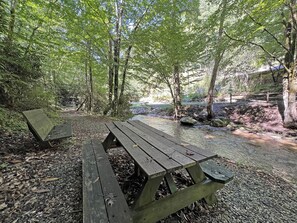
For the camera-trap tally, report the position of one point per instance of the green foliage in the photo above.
(35, 97)
(11, 121)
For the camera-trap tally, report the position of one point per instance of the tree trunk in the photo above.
(87, 82)
(91, 91)
(110, 73)
(116, 56)
(12, 20)
(210, 95)
(177, 90)
(289, 78)
(128, 52)
(219, 52)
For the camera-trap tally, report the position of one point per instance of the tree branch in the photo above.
(267, 31)
(258, 45)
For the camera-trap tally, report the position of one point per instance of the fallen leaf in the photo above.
(3, 206)
(50, 179)
(15, 161)
(41, 191)
(189, 153)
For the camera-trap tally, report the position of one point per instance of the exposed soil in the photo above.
(45, 185)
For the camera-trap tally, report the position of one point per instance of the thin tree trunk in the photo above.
(289, 78)
(12, 20)
(31, 40)
(110, 73)
(91, 95)
(177, 90)
(117, 50)
(289, 96)
(87, 82)
(121, 98)
(218, 57)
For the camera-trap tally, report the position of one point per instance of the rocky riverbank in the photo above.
(253, 116)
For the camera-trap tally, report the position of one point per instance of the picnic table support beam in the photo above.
(196, 173)
(151, 212)
(108, 141)
(170, 183)
(148, 192)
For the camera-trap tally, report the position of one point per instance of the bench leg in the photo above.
(108, 141)
(170, 183)
(198, 176)
(211, 199)
(148, 192)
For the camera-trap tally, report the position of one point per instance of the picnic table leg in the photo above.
(170, 183)
(148, 192)
(198, 177)
(108, 141)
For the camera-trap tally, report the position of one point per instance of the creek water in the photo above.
(270, 153)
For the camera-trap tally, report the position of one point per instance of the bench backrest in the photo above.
(39, 123)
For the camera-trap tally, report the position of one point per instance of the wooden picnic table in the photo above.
(156, 156)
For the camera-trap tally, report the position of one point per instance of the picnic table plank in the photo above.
(116, 205)
(193, 155)
(93, 204)
(159, 157)
(193, 148)
(150, 167)
(169, 151)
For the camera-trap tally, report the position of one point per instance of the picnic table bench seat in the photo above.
(42, 127)
(103, 200)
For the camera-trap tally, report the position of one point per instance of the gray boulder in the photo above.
(187, 121)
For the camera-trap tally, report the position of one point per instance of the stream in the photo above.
(268, 152)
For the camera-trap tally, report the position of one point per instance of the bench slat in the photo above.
(116, 205)
(150, 167)
(39, 122)
(161, 158)
(192, 148)
(60, 131)
(93, 201)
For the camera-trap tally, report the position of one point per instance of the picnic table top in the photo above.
(154, 151)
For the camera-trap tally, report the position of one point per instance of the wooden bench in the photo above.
(103, 200)
(42, 127)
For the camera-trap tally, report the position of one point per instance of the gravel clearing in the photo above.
(45, 185)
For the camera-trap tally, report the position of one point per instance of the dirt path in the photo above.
(45, 185)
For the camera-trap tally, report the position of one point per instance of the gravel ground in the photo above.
(45, 185)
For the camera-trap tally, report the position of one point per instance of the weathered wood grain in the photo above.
(149, 166)
(115, 203)
(60, 132)
(93, 201)
(162, 159)
(39, 123)
(163, 144)
(160, 209)
(193, 148)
